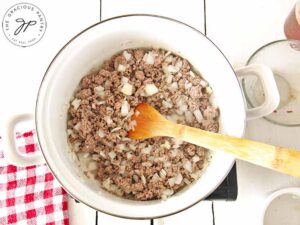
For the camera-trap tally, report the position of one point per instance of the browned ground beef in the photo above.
(99, 118)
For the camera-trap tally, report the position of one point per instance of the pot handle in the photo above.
(11, 154)
(271, 92)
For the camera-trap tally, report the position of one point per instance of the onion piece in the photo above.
(173, 69)
(77, 126)
(188, 116)
(208, 90)
(127, 89)
(76, 103)
(112, 154)
(196, 159)
(92, 165)
(188, 166)
(198, 115)
(99, 90)
(121, 68)
(169, 58)
(171, 181)
(167, 193)
(162, 173)
(155, 177)
(166, 145)
(178, 178)
(167, 104)
(124, 80)
(100, 133)
(116, 129)
(149, 58)
(150, 89)
(143, 179)
(108, 120)
(178, 64)
(127, 55)
(122, 169)
(169, 78)
(192, 73)
(125, 108)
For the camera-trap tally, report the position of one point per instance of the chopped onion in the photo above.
(100, 102)
(178, 178)
(150, 89)
(196, 159)
(128, 155)
(155, 177)
(95, 157)
(106, 184)
(195, 175)
(112, 154)
(198, 115)
(173, 69)
(177, 142)
(127, 55)
(162, 173)
(147, 164)
(171, 181)
(132, 146)
(76, 146)
(178, 64)
(77, 126)
(203, 83)
(143, 179)
(167, 193)
(76, 103)
(189, 116)
(208, 90)
(121, 68)
(125, 108)
(192, 73)
(167, 164)
(120, 147)
(169, 59)
(100, 133)
(167, 54)
(135, 178)
(169, 78)
(186, 181)
(99, 90)
(122, 169)
(174, 85)
(167, 104)
(127, 89)
(166, 145)
(187, 85)
(187, 165)
(147, 150)
(108, 120)
(85, 155)
(124, 80)
(115, 129)
(148, 58)
(92, 165)
(174, 152)
(102, 154)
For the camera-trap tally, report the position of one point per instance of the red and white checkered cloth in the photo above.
(30, 195)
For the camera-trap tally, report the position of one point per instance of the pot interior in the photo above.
(87, 51)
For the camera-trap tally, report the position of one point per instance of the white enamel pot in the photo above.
(89, 49)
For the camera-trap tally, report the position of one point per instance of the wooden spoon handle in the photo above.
(277, 158)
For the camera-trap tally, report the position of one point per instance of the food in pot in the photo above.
(99, 119)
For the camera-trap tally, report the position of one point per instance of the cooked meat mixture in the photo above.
(99, 119)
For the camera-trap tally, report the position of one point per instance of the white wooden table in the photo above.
(238, 27)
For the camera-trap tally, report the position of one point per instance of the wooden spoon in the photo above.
(150, 123)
